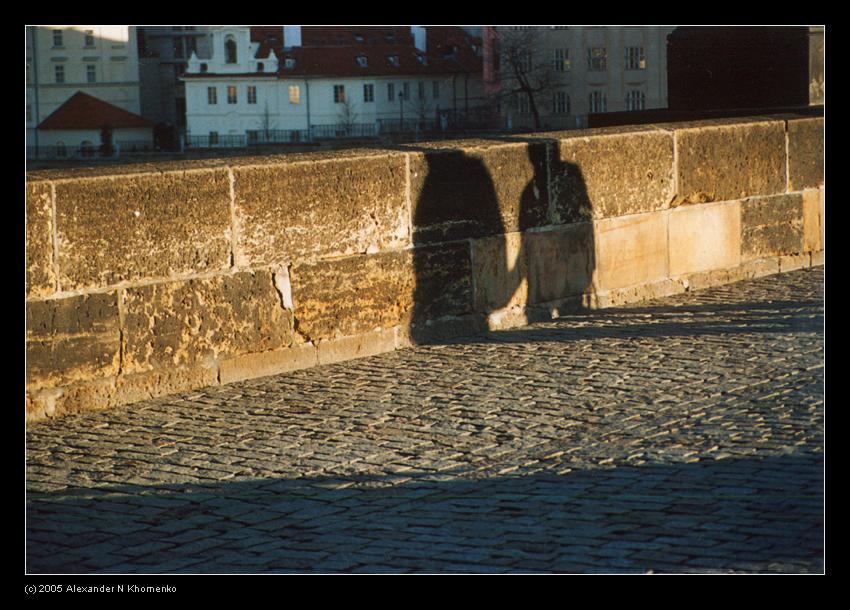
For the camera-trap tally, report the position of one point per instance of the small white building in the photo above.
(81, 125)
(287, 83)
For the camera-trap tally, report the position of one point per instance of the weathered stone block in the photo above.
(40, 275)
(479, 190)
(812, 221)
(183, 323)
(724, 162)
(249, 366)
(612, 175)
(72, 338)
(560, 263)
(705, 237)
(805, 153)
(355, 295)
(293, 211)
(360, 346)
(630, 250)
(499, 271)
(121, 228)
(771, 226)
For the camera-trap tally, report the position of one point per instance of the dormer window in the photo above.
(362, 61)
(422, 59)
(230, 50)
(289, 63)
(358, 37)
(393, 59)
(203, 67)
(260, 66)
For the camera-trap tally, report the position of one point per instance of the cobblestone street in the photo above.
(679, 435)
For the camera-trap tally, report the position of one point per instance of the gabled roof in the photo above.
(83, 111)
(365, 51)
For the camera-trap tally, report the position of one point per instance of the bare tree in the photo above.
(348, 115)
(266, 122)
(525, 67)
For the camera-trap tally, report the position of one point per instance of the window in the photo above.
(635, 58)
(252, 94)
(57, 38)
(339, 94)
(59, 72)
(260, 66)
(390, 92)
(393, 59)
(91, 73)
(191, 45)
(561, 103)
(294, 94)
(231, 94)
(598, 102)
(204, 67)
(368, 93)
(89, 40)
(213, 137)
(435, 89)
(61, 151)
(597, 59)
(362, 61)
(212, 96)
(289, 63)
(635, 100)
(561, 60)
(522, 104)
(177, 45)
(421, 90)
(405, 91)
(253, 136)
(29, 112)
(230, 50)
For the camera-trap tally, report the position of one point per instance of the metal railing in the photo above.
(221, 141)
(355, 130)
(277, 136)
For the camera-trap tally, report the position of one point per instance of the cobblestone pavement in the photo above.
(681, 435)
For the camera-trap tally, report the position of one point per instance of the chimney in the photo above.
(419, 37)
(291, 36)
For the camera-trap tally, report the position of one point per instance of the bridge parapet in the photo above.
(161, 278)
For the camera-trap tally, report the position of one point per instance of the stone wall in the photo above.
(166, 278)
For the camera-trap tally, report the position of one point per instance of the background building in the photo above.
(292, 82)
(101, 61)
(553, 77)
(164, 52)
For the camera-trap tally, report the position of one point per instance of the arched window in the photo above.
(61, 151)
(230, 50)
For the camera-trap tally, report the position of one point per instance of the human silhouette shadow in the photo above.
(485, 245)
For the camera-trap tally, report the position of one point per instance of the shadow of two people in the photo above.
(476, 203)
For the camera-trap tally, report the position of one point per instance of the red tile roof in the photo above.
(334, 51)
(83, 111)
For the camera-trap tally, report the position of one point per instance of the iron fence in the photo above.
(213, 141)
(355, 130)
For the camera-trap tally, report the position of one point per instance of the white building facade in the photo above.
(247, 89)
